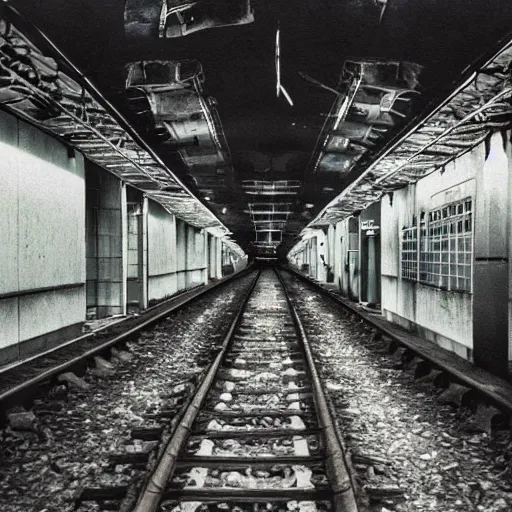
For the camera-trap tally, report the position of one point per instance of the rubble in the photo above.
(401, 438)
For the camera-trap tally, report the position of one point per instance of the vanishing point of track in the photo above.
(258, 431)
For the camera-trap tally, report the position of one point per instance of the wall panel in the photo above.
(46, 312)
(9, 173)
(42, 221)
(162, 280)
(51, 212)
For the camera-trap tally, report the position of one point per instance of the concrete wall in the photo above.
(42, 255)
(178, 254)
(333, 256)
(491, 251)
(195, 248)
(444, 317)
(474, 322)
(78, 243)
(187, 266)
(369, 255)
(162, 260)
(215, 257)
(316, 255)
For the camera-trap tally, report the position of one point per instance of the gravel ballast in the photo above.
(70, 443)
(409, 452)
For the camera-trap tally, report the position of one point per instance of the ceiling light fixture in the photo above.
(279, 87)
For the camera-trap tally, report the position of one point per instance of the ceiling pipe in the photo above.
(177, 145)
(98, 96)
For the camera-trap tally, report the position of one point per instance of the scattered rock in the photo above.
(122, 355)
(430, 458)
(22, 420)
(73, 381)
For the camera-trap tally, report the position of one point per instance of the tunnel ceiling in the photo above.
(198, 83)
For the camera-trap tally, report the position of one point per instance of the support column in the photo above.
(318, 255)
(137, 250)
(307, 257)
(313, 258)
(218, 258)
(211, 256)
(181, 253)
(353, 274)
(190, 263)
(331, 233)
(144, 253)
(105, 264)
(371, 293)
(124, 221)
(195, 256)
(322, 247)
(490, 277)
(161, 239)
(369, 227)
(337, 255)
(205, 258)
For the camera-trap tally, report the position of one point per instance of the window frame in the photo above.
(444, 255)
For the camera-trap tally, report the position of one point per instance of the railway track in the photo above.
(257, 435)
(460, 382)
(21, 382)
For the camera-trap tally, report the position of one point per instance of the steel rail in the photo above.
(178, 303)
(336, 462)
(489, 394)
(155, 486)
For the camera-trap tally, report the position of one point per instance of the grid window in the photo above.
(409, 255)
(446, 246)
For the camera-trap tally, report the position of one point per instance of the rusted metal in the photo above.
(250, 495)
(241, 463)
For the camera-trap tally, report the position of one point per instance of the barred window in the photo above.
(446, 246)
(409, 255)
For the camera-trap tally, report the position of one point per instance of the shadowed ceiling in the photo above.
(265, 137)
